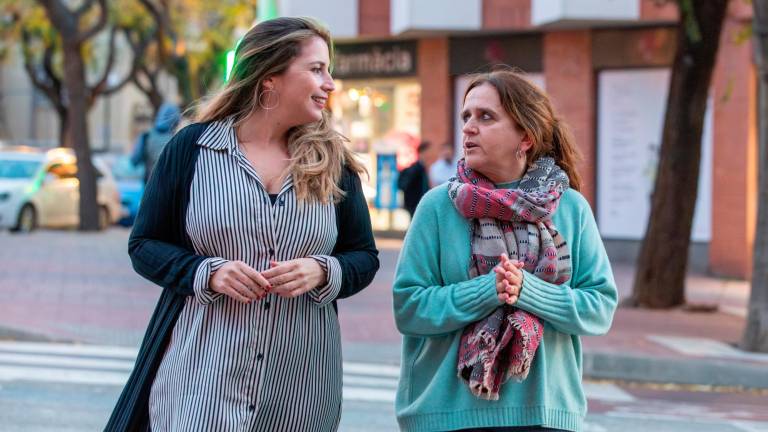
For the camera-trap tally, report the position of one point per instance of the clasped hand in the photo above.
(292, 278)
(509, 279)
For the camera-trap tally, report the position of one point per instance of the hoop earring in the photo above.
(518, 152)
(268, 92)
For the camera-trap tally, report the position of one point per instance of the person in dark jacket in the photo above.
(258, 226)
(414, 180)
(151, 143)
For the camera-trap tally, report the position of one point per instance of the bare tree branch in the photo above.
(100, 24)
(162, 18)
(79, 12)
(146, 75)
(56, 83)
(102, 82)
(51, 89)
(101, 88)
(61, 17)
(143, 72)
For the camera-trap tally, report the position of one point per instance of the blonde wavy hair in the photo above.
(318, 152)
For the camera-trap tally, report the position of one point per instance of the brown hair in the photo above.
(530, 109)
(318, 152)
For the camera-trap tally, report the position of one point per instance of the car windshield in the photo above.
(18, 169)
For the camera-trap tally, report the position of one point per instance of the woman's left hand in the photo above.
(509, 280)
(294, 277)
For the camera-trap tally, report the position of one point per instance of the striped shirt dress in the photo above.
(271, 365)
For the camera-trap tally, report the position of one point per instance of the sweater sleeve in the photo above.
(355, 260)
(423, 304)
(586, 305)
(153, 253)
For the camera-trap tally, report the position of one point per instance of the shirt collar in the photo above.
(219, 135)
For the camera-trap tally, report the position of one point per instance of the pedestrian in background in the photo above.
(414, 181)
(501, 273)
(443, 168)
(150, 143)
(258, 226)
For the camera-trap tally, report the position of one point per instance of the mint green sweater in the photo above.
(434, 300)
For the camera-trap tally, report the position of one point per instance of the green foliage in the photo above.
(27, 24)
(192, 46)
(202, 32)
(744, 34)
(689, 20)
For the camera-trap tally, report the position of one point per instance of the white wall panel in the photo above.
(410, 15)
(340, 16)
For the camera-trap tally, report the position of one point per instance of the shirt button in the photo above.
(260, 356)
(266, 305)
(271, 251)
(251, 407)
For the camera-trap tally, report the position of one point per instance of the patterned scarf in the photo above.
(517, 222)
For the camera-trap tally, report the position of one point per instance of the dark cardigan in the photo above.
(161, 251)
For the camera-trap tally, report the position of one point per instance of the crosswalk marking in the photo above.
(750, 426)
(606, 392)
(61, 375)
(105, 365)
(364, 394)
(372, 369)
(66, 362)
(69, 349)
(366, 381)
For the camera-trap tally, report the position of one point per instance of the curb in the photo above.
(9, 333)
(389, 234)
(692, 371)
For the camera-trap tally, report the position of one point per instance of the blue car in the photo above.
(130, 183)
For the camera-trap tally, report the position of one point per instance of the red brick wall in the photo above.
(734, 176)
(650, 10)
(570, 82)
(506, 14)
(373, 17)
(436, 101)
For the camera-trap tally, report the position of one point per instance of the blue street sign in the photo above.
(386, 181)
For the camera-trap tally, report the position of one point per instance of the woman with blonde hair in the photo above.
(253, 223)
(502, 271)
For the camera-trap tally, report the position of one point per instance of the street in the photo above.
(64, 387)
(77, 312)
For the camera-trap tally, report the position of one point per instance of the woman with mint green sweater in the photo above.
(502, 271)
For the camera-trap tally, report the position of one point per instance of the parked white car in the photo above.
(39, 188)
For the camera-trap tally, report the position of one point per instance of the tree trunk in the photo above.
(156, 100)
(4, 131)
(150, 89)
(756, 332)
(74, 80)
(65, 139)
(661, 267)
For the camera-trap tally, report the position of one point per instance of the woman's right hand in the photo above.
(509, 279)
(240, 281)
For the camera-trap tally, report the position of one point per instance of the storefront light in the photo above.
(353, 94)
(360, 129)
(364, 105)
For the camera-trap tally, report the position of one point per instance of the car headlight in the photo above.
(5, 196)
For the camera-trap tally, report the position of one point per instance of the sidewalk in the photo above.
(72, 287)
(678, 346)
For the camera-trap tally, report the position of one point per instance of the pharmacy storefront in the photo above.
(377, 105)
